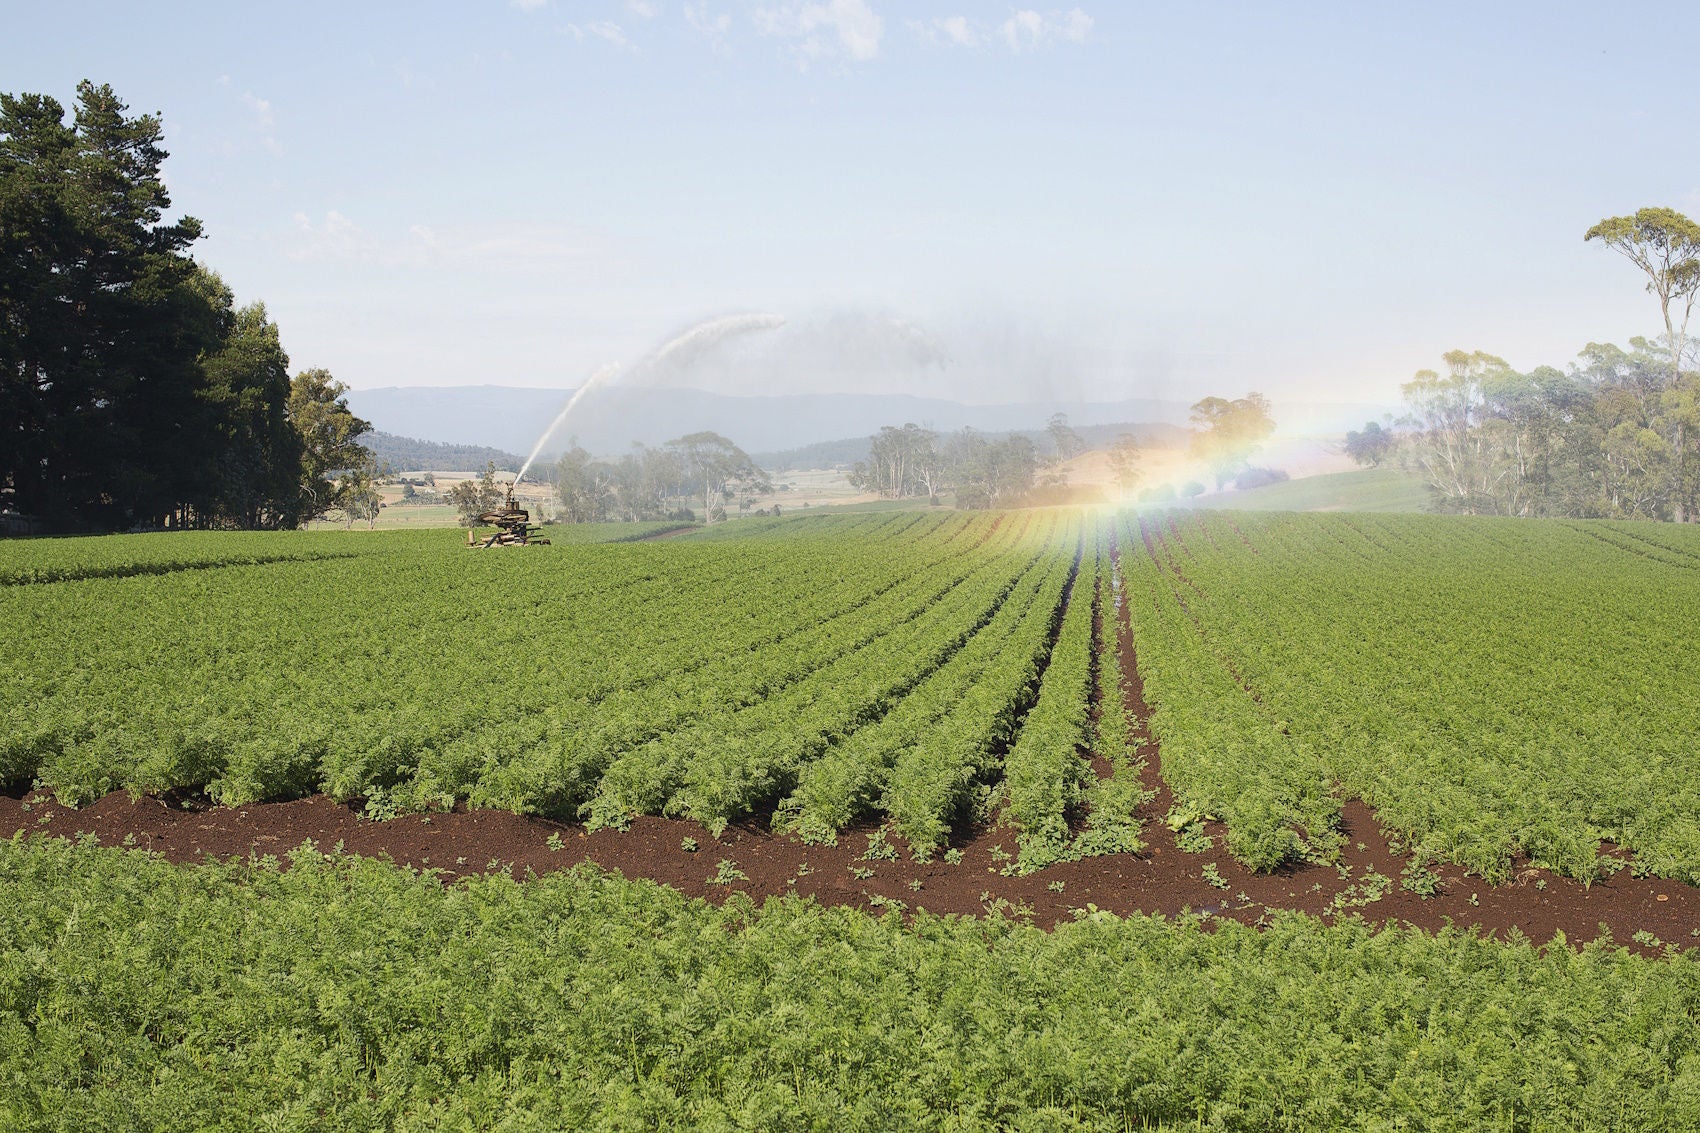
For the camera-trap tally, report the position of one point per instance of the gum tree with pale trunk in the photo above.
(1665, 245)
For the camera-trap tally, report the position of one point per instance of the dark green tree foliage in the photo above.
(254, 477)
(133, 391)
(104, 321)
(330, 443)
(1372, 445)
(409, 454)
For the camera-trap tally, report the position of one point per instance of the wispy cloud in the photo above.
(957, 30)
(261, 120)
(1025, 30)
(606, 30)
(336, 238)
(712, 26)
(529, 5)
(816, 31)
(262, 110)
(1029, 29)
(642, 9)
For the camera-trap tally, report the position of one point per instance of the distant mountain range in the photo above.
(610, 421)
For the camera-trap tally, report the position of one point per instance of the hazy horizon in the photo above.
(980, 203)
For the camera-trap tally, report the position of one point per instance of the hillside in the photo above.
(409, 454)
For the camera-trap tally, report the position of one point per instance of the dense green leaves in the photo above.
(349, 994)
(1492, 687)
(699, 676)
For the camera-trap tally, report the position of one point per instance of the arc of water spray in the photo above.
(686, 347)
(681, 351)
(596, 379)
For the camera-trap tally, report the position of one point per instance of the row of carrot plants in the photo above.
(1496, 690)
(1112, 799)
(850, 781)
(1045, 773)
(261, 681)
(838, 668)
(348, 993)
(722, 766)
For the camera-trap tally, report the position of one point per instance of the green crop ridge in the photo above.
(348, 993)
(1497, 690)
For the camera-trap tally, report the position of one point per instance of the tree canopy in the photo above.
(719, 469)
(134, 392)
(1665, 245)
(1226, 434)
(1599, 440)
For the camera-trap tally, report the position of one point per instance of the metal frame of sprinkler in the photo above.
(513, 526)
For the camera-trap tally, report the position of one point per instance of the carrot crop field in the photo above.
(1280, 730)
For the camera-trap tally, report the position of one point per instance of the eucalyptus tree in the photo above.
(901, 462)
(1226, 433)
(1124, 461)
(717, 467)
(1665, 245)
(330, 441)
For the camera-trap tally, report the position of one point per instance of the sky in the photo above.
(985, 202)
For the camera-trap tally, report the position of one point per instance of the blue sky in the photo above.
(1105, 201)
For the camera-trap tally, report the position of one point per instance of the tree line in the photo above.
(1613, 436)
(134, 391)
(911, 461)
(702, 470)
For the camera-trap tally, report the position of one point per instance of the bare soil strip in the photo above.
(1164, 880)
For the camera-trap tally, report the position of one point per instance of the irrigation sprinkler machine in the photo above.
(513, 527)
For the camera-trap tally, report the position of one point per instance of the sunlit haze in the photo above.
(969, 201)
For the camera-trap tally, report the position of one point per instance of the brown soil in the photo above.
(1163, 880)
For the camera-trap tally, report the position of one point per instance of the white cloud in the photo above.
(605, 30)
(812, 27)
(261, 121)
(642, 9)
(261, 109)
(1028, 29)
(1025, 30)
(336, 238)
(712, 27)
(957, 30)
(529, 5)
